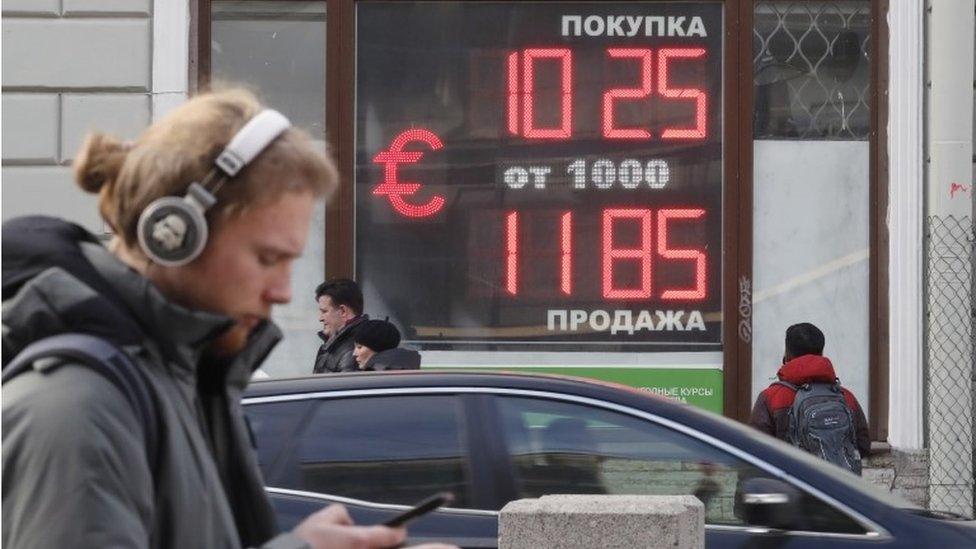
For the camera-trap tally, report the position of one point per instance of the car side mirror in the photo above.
(768, 502)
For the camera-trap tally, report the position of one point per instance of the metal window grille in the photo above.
(812, 70)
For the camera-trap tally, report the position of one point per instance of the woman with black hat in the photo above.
(376, 348)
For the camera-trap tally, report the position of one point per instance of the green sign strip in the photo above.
(698, 387)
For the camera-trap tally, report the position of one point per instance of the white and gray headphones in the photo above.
(173, 230)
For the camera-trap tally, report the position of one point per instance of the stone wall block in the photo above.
(912, 463)
(102, 54)
(35, 8)
(115, 7)
(918, 496)
(30, 128)
(883, 478)
(578, 522)
(48, 190)
(881, 456)
(122, 115)
(911, 481)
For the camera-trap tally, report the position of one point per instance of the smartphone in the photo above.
(421, 509)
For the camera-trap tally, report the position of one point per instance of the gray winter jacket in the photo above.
(75, 468)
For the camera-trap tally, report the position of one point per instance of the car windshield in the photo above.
(838, 474)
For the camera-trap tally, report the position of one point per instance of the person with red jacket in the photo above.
(803, 362)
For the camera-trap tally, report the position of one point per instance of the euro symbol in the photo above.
(395, 189)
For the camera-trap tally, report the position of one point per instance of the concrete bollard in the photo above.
(598, 521)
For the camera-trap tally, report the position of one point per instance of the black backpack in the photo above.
(108, 361)
(821, 423)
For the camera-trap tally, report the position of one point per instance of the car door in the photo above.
(558, 445)
(377, 453)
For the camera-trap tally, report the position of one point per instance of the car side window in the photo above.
(565, 448)
(273, 425)
(397, 449)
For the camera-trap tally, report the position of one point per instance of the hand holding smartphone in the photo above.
(422, 508)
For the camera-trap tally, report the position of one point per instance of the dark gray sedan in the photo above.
(381, 442)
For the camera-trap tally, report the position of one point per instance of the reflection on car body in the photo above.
(380, 442)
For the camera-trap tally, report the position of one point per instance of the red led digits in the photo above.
(612, 254)
(644, 56)
(525, 100)
(603, 173)
(513, 93)
(511, 253)
(698, 292)
(396, 189)
(521, 93)
(566, 259)
(698, 132)
(642, 254)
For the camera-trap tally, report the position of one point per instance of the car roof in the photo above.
(427, 378)
(447, 378)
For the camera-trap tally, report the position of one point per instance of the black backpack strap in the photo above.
(108, 361)
(791, 433)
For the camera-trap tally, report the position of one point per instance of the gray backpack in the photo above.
(821, 423)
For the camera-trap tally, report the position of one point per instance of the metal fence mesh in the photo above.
(950, 376)
(811, 75)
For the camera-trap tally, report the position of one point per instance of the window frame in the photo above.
(737, 246)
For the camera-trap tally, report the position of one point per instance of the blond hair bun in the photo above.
(99, 161)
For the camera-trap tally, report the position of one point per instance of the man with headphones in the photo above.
(124, 366)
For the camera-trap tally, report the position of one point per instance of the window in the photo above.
(812, 188)
(273, 426)
(812, 70)
(567, 448)
(383, 449)
(277, 49)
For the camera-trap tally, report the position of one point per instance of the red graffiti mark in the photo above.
(957, 187)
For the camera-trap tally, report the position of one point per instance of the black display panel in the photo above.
(541, 174)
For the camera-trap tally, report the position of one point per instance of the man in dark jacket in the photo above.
(803, 362)
(340, 304)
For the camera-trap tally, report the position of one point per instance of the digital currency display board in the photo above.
(541, 174)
